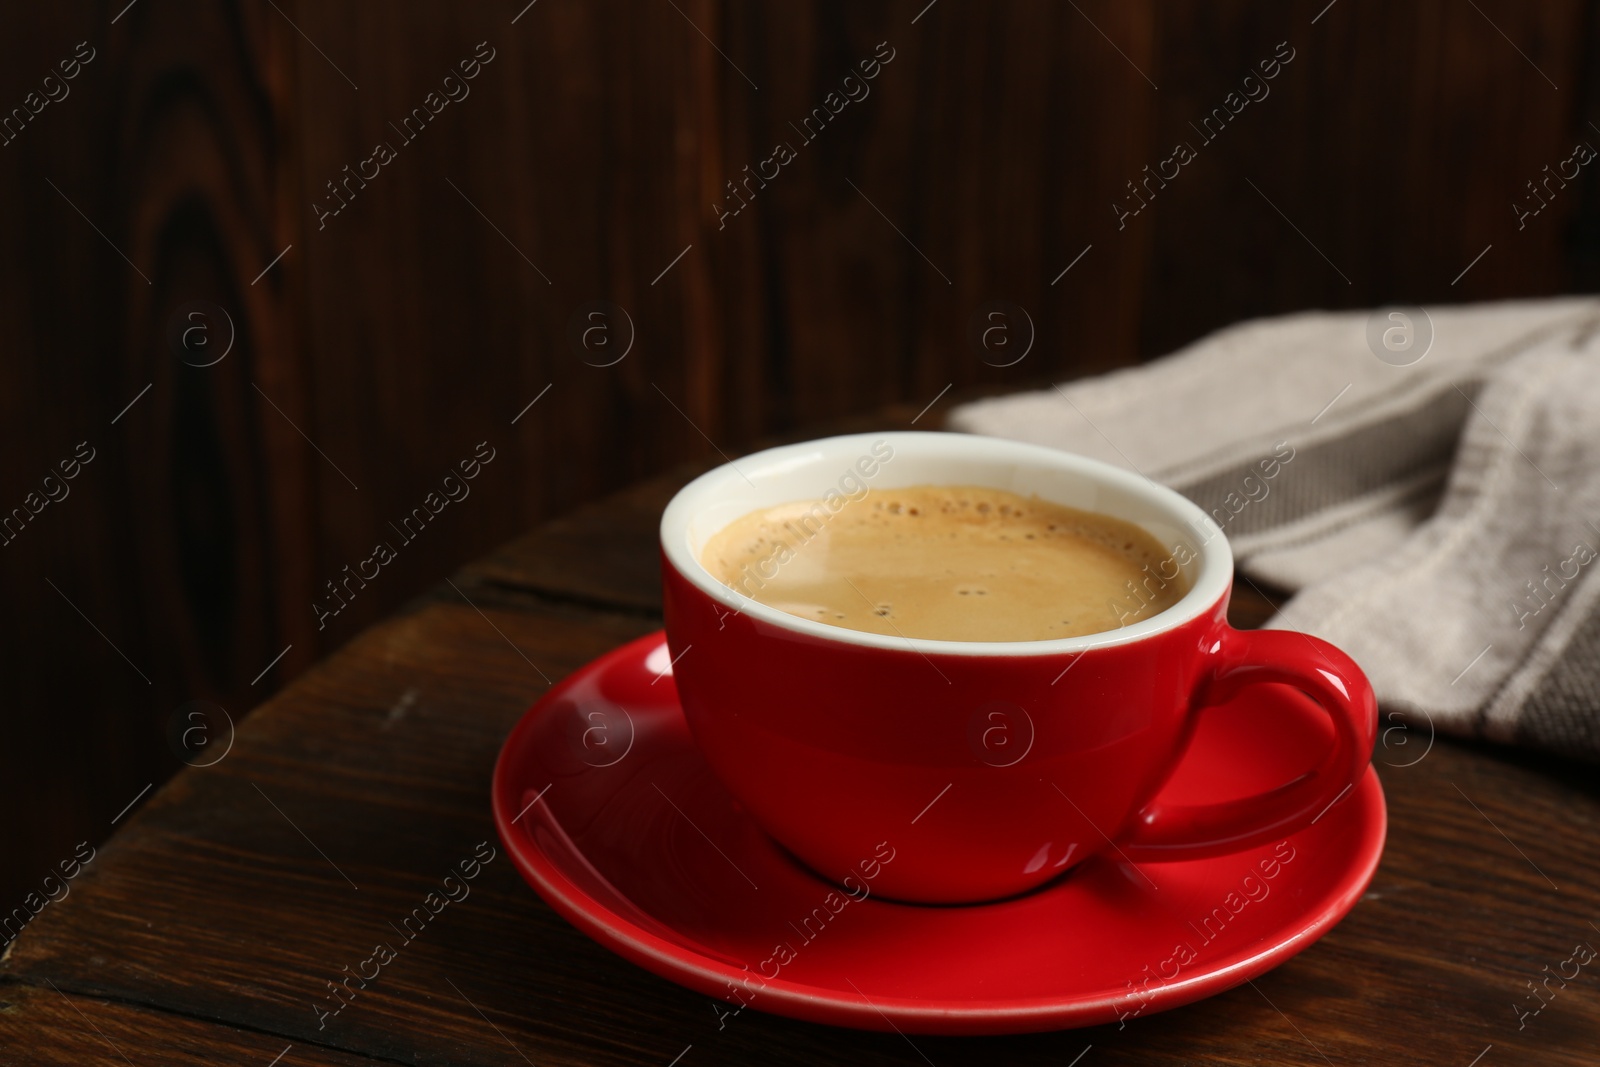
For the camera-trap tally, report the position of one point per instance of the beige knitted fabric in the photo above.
(1439, 521)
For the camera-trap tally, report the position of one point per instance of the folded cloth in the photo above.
(1440, 521)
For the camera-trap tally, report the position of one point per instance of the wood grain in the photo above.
(41, 1027)
(238, 891)
(427, 315)
(147, 191)
(1376, 179)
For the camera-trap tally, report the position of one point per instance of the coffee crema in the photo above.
(946, 563)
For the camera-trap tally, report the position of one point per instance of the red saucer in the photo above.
(609, 812)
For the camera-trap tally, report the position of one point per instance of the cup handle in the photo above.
(1254, 657)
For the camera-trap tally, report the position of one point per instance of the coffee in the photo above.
(947, 563)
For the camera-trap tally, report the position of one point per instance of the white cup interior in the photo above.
(810, 470)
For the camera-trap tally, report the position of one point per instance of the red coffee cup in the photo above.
(988, 768)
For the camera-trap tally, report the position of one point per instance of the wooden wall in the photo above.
(587, 161)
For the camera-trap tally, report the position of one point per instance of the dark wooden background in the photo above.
(380, 349)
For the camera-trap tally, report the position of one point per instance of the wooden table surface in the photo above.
(207, 928)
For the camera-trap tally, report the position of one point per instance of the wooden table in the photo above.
(207, 927)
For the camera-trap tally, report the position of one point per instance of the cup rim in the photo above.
(1212, 581)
